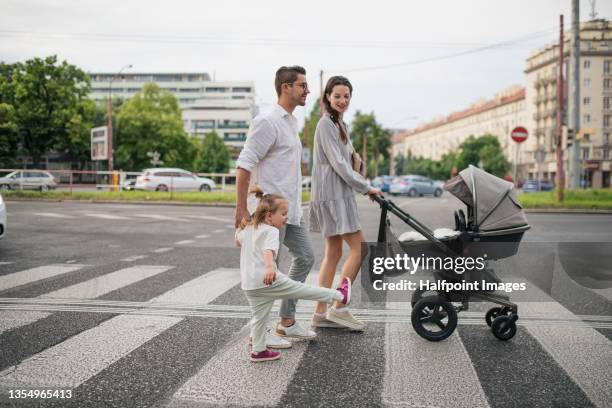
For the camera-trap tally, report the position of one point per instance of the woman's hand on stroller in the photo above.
(374, 192)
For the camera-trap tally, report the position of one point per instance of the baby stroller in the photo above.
(494, 225)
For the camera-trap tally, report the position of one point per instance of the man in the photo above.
(271, 158)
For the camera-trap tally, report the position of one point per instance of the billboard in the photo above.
(99, 143)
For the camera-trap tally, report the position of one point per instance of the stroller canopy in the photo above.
(492, 199)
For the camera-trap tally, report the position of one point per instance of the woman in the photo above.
(333, 209)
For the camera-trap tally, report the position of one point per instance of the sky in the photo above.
(408, 61)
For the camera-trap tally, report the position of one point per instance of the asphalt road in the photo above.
(139, 305)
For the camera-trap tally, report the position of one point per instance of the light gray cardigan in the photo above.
(333, 209)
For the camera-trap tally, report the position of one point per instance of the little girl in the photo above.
(261, 282)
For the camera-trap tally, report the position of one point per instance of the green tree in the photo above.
(486, 149)
(46, 97)
(214, 156)
(9, 147)
(365, 126)
(151, 121)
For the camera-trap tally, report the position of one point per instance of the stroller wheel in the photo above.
(492, 314)
(433, 318)
(504, 326)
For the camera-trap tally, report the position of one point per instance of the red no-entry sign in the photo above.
(519, 134)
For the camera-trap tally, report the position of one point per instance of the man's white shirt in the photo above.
(273, 153)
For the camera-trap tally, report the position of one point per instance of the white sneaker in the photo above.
(295, 331)
(344, 318)
(273, 341)
(319, 321)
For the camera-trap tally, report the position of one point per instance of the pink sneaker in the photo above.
(266, 355)
(345, 290)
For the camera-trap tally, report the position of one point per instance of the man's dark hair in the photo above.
(287, 75)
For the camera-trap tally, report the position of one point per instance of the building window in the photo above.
(606, 67)
(606, 121)
(586, 118)
(587, 64)
(586, 100)
(585, 153)
(235, 137)
(215, 89)
(586, 137)
(204, 124)
(241, 89)
(587, 82)
(606, 83)
(606, 138)
(606, 102)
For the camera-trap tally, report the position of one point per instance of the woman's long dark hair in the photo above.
(333, 114)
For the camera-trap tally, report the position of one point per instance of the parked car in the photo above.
(2, 217)
(166, 179)
(129, 184)
(415, 185)
(383, 183)
(531, 186)
(28, 179)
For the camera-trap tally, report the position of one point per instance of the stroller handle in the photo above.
(380, 200)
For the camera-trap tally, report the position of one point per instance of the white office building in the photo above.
(226, 107)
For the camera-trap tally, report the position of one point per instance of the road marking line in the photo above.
(203, 236)
(184, 242)
(208, 217)
(102, 285)
(134, 258)
(437, 364)
(73, 361)
(31, 275)
(6, 263)
(162, 250)
(160, 217)
(217, 231)
(53, 215)
(584, 353)
(107, 216)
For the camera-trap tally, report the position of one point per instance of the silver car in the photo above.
(2, 217)
(166, 179)
(28, 180)
(415, 185)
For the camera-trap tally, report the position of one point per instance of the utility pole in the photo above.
(110, 117)
(559, 131)
(574, 117)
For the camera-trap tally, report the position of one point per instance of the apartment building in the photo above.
(595, 105)
(534, 107)
(496, 116)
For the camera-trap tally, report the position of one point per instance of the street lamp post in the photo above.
(110, 118)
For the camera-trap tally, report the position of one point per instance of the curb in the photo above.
(567, 211)
(174, 203)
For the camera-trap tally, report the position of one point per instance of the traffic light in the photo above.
(570, 137)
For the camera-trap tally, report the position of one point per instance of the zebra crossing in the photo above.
(184, 344)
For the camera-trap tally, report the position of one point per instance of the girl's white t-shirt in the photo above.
(253, 241)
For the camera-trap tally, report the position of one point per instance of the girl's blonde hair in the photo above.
(268, 203)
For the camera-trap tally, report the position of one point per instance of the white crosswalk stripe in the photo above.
(35, 274)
